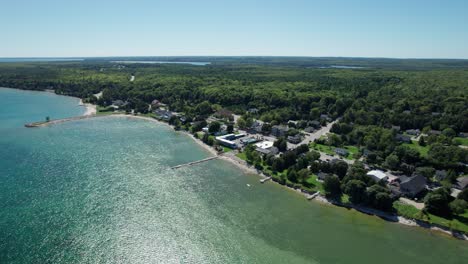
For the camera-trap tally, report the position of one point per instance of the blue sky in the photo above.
(364, 28)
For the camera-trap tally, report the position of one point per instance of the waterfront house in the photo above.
(412, 186)
(227, 140)
(163, 114)
(341, 151)
(377, 175)
(266, 147)
(322, 175)
(279, 131)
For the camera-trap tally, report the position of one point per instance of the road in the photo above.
(310, 137)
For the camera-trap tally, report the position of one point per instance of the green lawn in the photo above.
(461, 141)
(459, 222)
(330, 150)
(242, 156)
(415, 145)
(226, 149)
(313, 180)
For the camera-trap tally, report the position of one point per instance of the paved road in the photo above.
(310, 137)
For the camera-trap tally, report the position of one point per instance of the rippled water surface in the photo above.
(102, 191)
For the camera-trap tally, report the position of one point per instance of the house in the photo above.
(435, 132)
(227, 140)
(256, 127)
(413, 132)
(309, 129)
(315, 124)
(279, 131)
(118, 104)
(272, 151)
(155, 103)
(396, 128)
(407, 112)
(224, 114)
(403, 138)
(266, 147)
(377, 175)
(440, 175)
(164, 114)
(411, 186)
(461, 183)
(295, 139)
(435, 113)
(249, 140)
(463, 134)
(322, 175)
(342, 152)
(326, 117)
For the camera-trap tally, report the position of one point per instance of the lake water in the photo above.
(165, 62)
(102, 191)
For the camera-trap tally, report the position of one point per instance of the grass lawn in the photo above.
(421, 149)
(459, 222)
(242, 156)
(226, 149)
(462, 141)
(323, 148)
(318, 185)
(330, 150)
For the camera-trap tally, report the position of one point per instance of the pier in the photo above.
(265, 179)
(310, 197)
(194, 162)
(56, 121)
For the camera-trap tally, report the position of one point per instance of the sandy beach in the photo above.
(90, 108)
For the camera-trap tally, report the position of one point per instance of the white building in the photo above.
(378, 175)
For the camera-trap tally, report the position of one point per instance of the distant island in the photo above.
(384, 136)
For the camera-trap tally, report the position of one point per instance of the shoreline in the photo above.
(90, 109)
(247, 169)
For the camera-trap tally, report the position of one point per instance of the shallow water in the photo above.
(102, 191)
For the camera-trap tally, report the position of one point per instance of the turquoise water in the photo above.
(102, 191)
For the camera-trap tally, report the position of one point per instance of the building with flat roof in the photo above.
(377, 175)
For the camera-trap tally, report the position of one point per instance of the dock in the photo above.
(265, 179)
(194, 162)
(57, 121)
(312, 196)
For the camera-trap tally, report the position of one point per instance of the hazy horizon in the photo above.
(358, 29)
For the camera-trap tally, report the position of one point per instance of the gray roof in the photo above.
(462, 182)
(412, 185)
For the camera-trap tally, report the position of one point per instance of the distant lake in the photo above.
(38, 59)
(165, 62)
(342, 67)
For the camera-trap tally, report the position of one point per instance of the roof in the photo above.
(377, 174)
(341, 151)
(264, 144)
(462, 182)
(413, 184)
